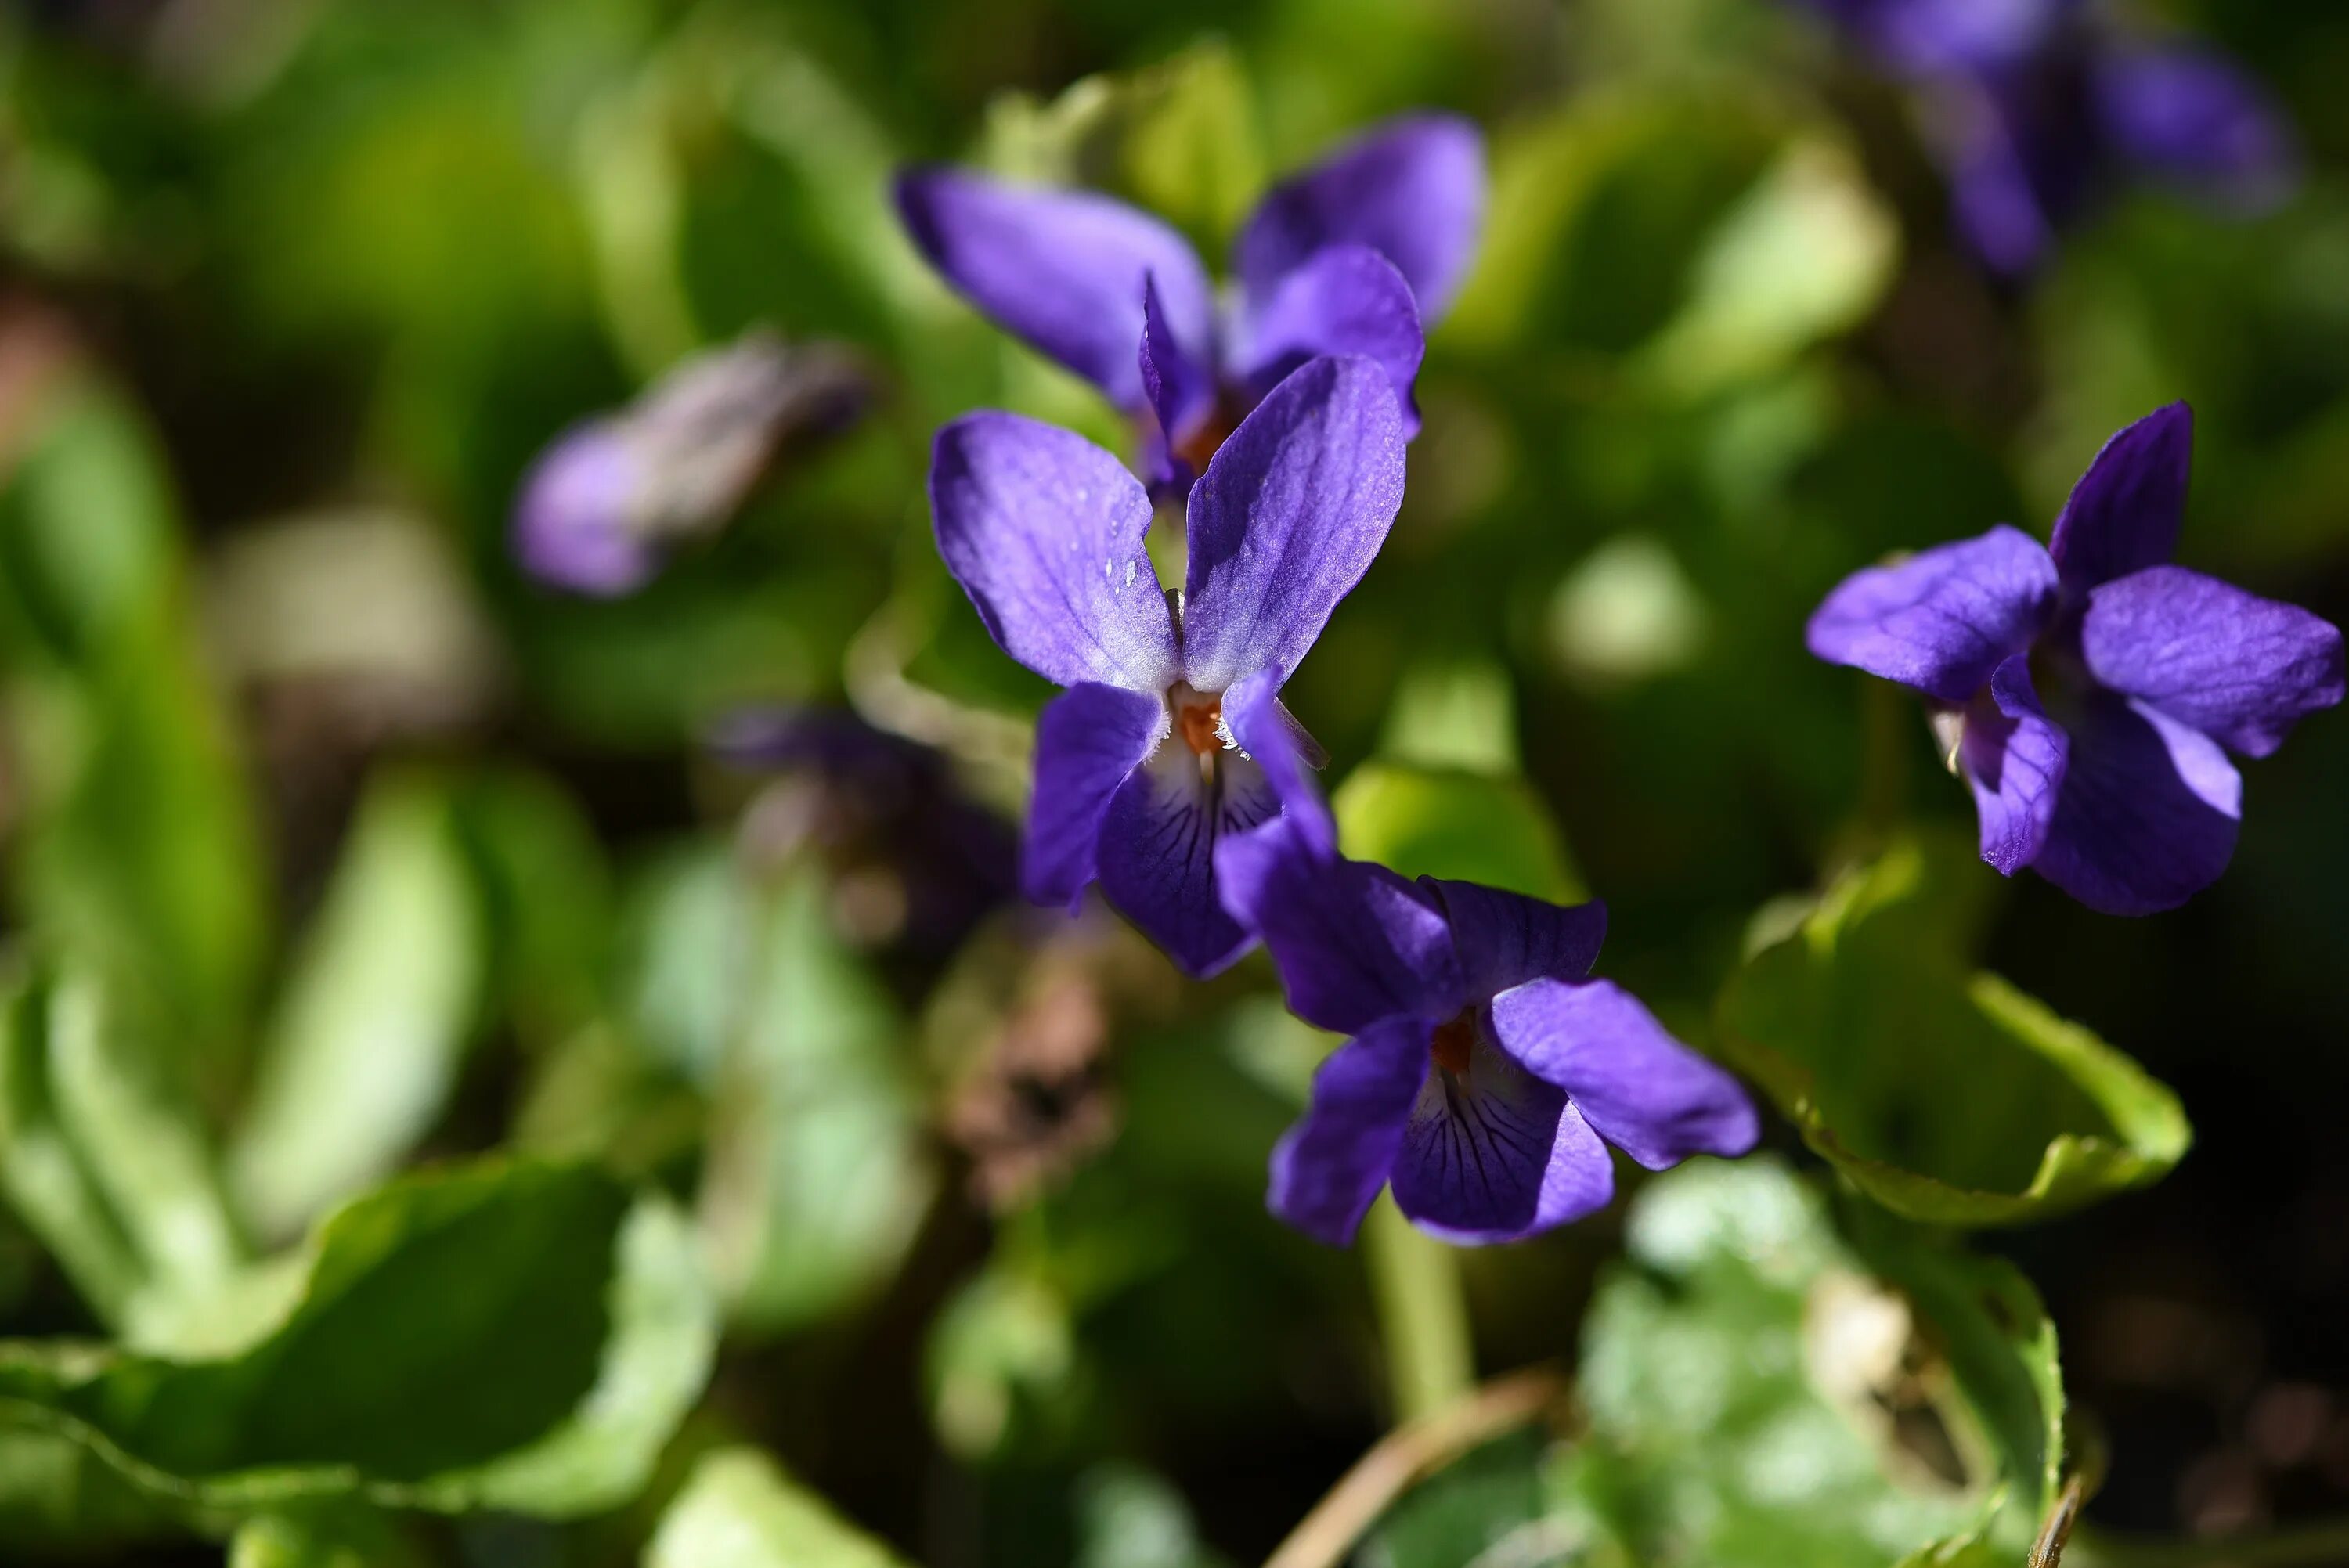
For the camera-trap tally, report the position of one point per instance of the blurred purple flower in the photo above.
(886, 812)
(1349, 257)
(1485, 1066)
(1171, 733)
(603, 505)
(2086, 690)
(2038, 108)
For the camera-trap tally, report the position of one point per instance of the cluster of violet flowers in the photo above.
(1487, 1071)
(2087, 691)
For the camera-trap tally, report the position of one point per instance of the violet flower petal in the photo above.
(2014, 177)
(1254, 718)
(2241, 668)
(2124, 514)
(1181, 386)
(575, 525)
(1505, 939)
(1495, 1154)
(2194, 119)
(1088, 741)
(1061, 269)
(1926, 36)
(1351, 942)
(1641, 1089)
(1411, 189)
(1327, 1169)
(1347, 299)
(1043, 530)
(1156, 858)
(2148, 811)
(1943, 619)
(1288, 515)
(2014, 757)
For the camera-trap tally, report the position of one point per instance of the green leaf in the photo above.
(1942, 1092)
(1758, 1394)
(740, 1510)
(1803, 255)
(366, 1044)
(56, 1493)
(514, 1336)
(100, 1153)
(1467, 827)
(1128, 1517)
(137, 849)
(816, 1175)
(333, 1536)
(1177, 139)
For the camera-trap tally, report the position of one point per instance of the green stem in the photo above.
(1423, 1315)
(2305, 1546)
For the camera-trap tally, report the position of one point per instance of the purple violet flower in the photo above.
(605, 502)
(1171, 733)
(1349, 257)
(2038, 108)
(2086, 690)
(1484, 1068)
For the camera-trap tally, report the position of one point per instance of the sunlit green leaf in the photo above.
(740, 1510)
(101, 1152)
(815, 1177)
(136, 851)
(509, 1334)
(1804, 254)
(367, 1040)
(1942, 1091)
(1466, 827)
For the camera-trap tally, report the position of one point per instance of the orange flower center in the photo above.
(1200, 445)
(1196, 720)
(1452, 1044)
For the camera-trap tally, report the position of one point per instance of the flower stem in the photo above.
(1422, 1316)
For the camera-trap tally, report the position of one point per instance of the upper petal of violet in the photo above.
(2238, 667)
(1043, 530)
(1181, 387)
(1288, 515)
(1061, 269)
(1642, 1091)
(2124, 514)
(1943, 619)
(1351, 942)
(1413, 190)
(1505, 939)
(1347, 299)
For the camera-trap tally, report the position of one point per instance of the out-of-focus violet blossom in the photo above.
(604, 505)
(2037, 109)
(1349, 257)
(1171, 734)
(2088, 691)
(1487, 1071)
(925, 862)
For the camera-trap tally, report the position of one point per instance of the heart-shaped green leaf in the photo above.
(1942, 1091)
